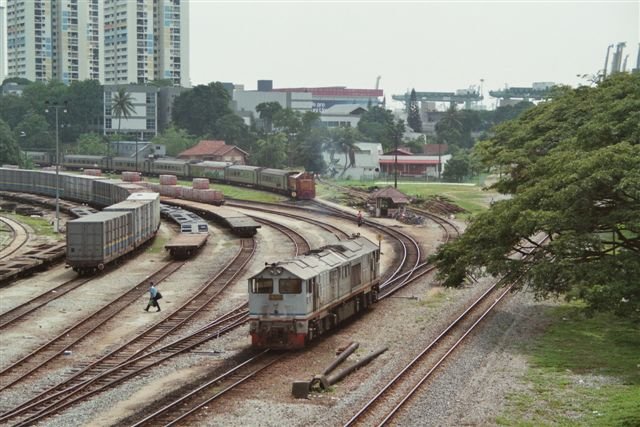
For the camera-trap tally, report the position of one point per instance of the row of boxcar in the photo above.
(293, 301)
(298, 185)
(131, 216)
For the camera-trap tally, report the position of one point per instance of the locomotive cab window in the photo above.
(290, 286)
(262, 286)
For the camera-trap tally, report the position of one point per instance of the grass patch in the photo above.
(435, 297)
(584, 371)
(235, 192)
(40, 226)
(470, 197)
(157, 246)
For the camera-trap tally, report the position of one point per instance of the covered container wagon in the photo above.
(153, 199)
(95, 240)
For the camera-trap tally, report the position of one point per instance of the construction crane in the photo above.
(606, 61)
(617, 57)
(377, 87)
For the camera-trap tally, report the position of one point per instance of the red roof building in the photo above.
(215, 151)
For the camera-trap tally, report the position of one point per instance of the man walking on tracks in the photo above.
(360, 218)
(154, 296)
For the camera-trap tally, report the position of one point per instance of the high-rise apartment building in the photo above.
(172, 35)
(29, 39)
(3, 43)
(113, 41)
(78, 40)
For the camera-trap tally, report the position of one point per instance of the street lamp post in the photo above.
(137, 139)
(56, 107)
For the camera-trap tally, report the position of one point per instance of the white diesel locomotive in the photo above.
(291, 302)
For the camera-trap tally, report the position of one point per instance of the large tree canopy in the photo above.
(199, 109)
(572, 169)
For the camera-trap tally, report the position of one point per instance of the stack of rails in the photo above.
(96, 239)
(239, 224)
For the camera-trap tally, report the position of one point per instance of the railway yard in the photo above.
(102, 360)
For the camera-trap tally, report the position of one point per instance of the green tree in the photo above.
(197, 110)
(90, 144)
(17, 80)
(458, 167)
(375, 125)
(122, 106)
(13, 109)
(266, 111)
(175, 140)
(413, 114)
(35, 134)
(232, 129)
(345, 143)
(271, 151)
(85, 112)
(571, 167)
(309, 152)
(9, 150)
(449, 129)
(306, 148)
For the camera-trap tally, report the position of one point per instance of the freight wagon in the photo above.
(94, 240)
(291, 302)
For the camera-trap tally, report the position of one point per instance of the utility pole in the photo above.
(56, 107)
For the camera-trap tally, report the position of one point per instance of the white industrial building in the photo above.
(143, 123)
(248, 100)
(367, 163)
(342, 115)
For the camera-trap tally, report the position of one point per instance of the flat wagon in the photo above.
(186, 244)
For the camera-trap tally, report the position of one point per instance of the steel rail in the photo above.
(93, 370)
(19, 312)
(35, 360)
(175, 412)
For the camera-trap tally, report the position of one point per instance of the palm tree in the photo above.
(346, 143)
(267, 110)
(122, 106)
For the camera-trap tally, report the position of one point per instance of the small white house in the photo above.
(367, 163)
(342, 115)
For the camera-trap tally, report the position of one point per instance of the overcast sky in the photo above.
(426, 45)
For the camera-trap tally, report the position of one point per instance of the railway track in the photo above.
(19, 237)
(111, 371)
(409, 265)
(31, 363)
(450, 229)
(277, 209)
(179, 410)
(397, 393)
(19, 313)
(387, 403)
(67, 393)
